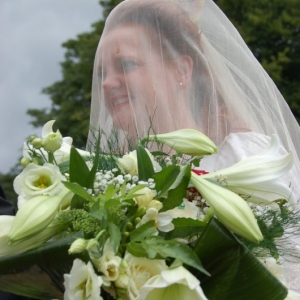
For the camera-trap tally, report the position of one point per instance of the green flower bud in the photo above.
(91, 244)
(25, 161)
(53, 141)
(37, 143)
(77, 246)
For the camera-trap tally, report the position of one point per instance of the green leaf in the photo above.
(185, 227)
(38, 273)
(115, 236)
(235, 272)
(177, 190)
(79, 172)
(92, 173)
(173, 249)
(145, 166)
(79, 190)
(143, 231)
(136, 249)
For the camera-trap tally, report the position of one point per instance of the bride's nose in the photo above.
(112, 80)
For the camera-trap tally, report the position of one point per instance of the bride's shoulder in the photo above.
(235, 147)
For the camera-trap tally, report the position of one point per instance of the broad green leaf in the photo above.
(79, 172)
(98, 211)
(145, 166)
(173, 249)
(235, 272)
(136, 249)
(185, 227)
(115, 236)
(38, 273)
(177, 191)
(79, 190)
(143, 231)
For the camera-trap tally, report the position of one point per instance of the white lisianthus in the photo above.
(7, 248)
(109, 265)
(230, 209)
(256, 177)
(82, 282)
(130, 165)
(175, 284)
(187, 210)
(35, 215)
(140, 270)
(187, 141)
(163, 221)
(37, 180)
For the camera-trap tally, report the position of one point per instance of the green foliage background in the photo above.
(270, 28)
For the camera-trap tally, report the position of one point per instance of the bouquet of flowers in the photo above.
(144, 225)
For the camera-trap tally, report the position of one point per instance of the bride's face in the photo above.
(138, 81)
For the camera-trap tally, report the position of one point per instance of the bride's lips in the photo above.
(118, 101)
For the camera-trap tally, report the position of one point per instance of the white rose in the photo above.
(129, 162)
(82, 282)
(38, 180)
(146, 196)
(140, 270)
(175, 284)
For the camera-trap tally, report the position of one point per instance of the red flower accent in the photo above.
(199, 172)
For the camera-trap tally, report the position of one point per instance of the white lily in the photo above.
(175, 284)
(256, 177)
(230, 209)
(35, 215)
(187, 141)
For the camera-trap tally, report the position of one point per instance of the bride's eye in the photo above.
(129, 64)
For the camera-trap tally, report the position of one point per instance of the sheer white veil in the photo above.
(227, 90)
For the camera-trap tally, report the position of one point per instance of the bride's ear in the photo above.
(184, 69)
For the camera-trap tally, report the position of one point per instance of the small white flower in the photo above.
(82, 282)
(37, 180)
(163, 221)
(175, 284)
(188, 210)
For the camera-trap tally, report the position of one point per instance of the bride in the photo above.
(165, 65)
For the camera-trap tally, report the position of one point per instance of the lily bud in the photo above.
(53, 141)
(36, 214)
(186, 141)
(230, 209)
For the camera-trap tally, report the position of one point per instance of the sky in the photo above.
(31, 34)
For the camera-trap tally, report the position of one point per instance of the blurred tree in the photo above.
(272, 31)
(71, 97)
